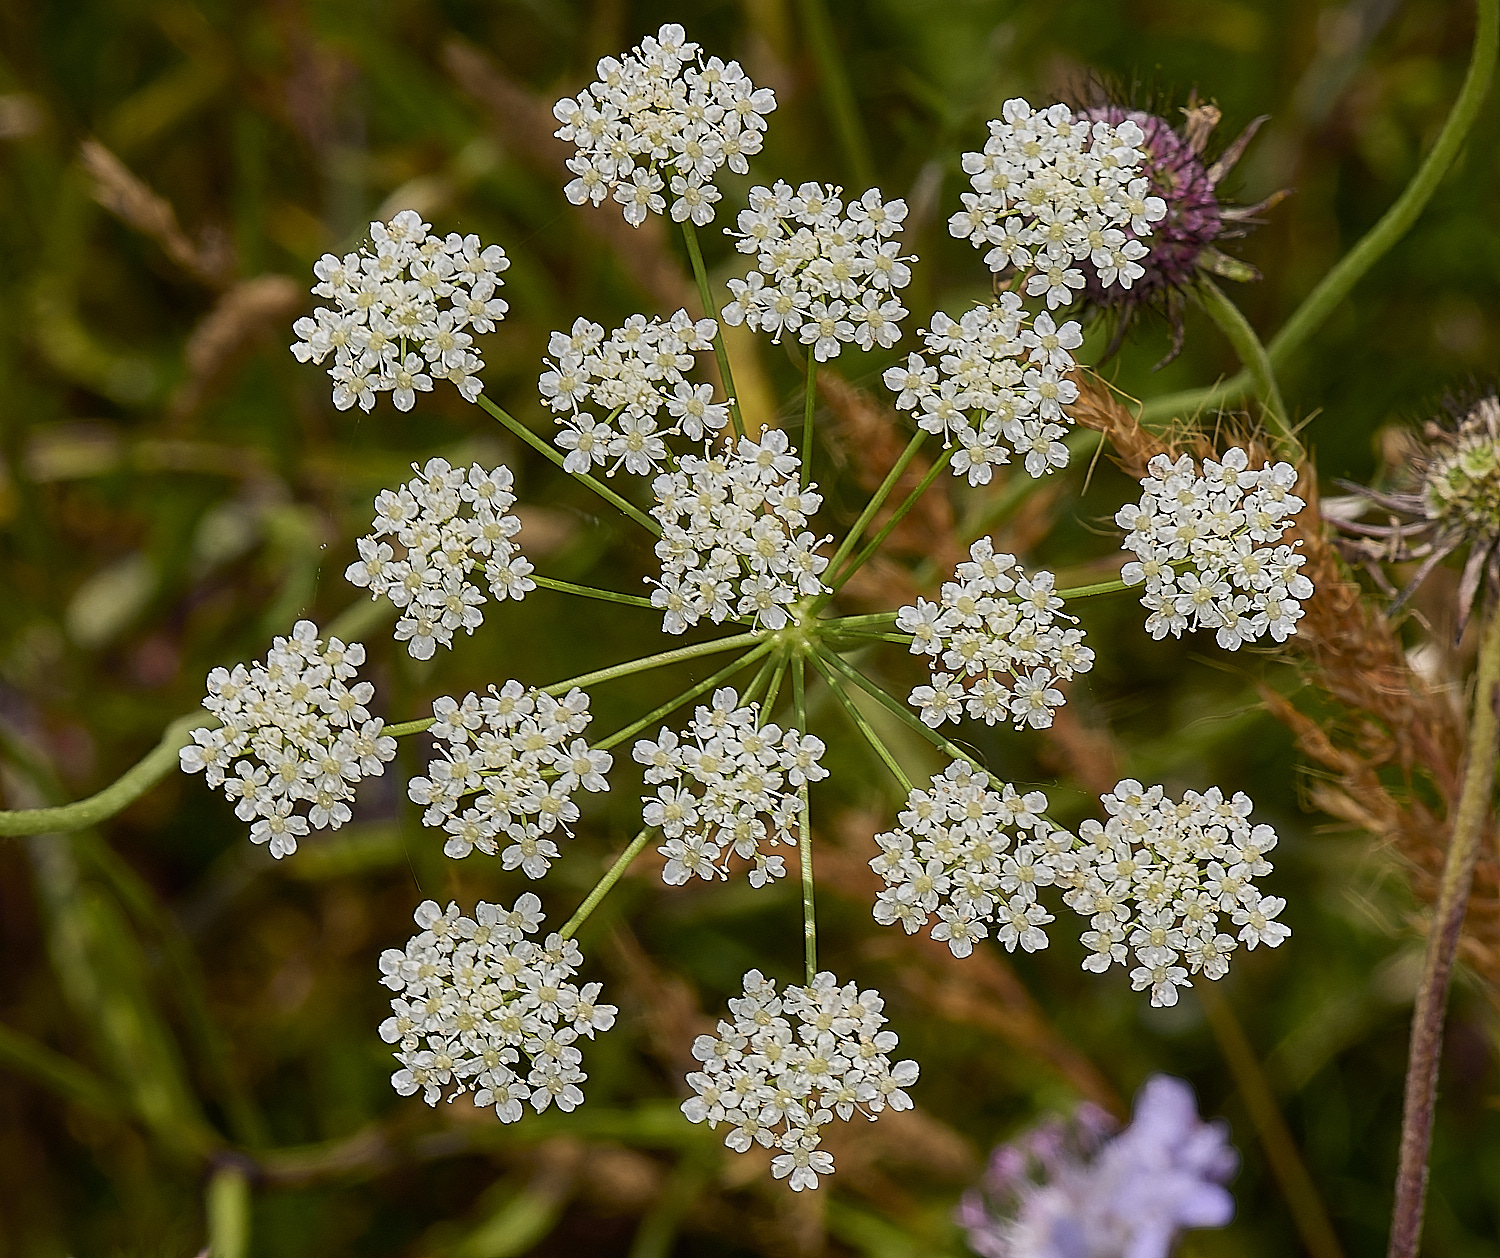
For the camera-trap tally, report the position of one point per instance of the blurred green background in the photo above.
(174, 489)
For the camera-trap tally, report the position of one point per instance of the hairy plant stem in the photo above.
(602, 887)
(1393, 224)
(546, 449)
(1469, 823)
(877, 500)
(899, 514)
(710, 311)
(588, 591)
(804, 829)
(1231, 321)
(882, 752)
(807, 416)
(687, 696)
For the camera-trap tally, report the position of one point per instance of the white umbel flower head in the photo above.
(406, 309)
(296, 736)
(972, 856)
(1000, 386)
(447, 521)
(827, 275)
(1053, 193)
(734, 537)
(790, 1063)
(998, 640)
(475, 994)
(617, 397)
(727, 787)
(657, 125)
(509, 766)
(1159, 877)
(1205, 545)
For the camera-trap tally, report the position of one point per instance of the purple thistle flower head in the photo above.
(1068, 1189)
(1183, 244)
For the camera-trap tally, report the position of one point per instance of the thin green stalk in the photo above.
(870, 635)
(648, 662)
(877, 501)
(710, 311)
(687, 696)
(807, 416)
(882, 752)
(1394, 223)
(1297, 1187)
(406, 728)
(1469, 822)
(227, 1204)
(804, 830)
(549, 451)
(33, 1059)
(762, 676)
(125, 789)
(1247, 346)
(835, 624)
(903, 713)
(602, 887)
(774, 689)
(876, 542)
(588, 591)
(1088, 591)
(838, 95)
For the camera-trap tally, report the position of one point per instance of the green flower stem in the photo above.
(227, 1204)
(757, 683)
(602, 887)
(588, 591)
(804, 830)
(687, 696)
(866, 635)
(882, 752)
(807, 416)
(836, 624)
(905, 714)
(125, 790)
(659, 660)
(774, 689)
(877, 501)
(1393, 224)
(546, 449)
(1232, 322)
(407, 728)
(1469, 822)
(1088, 591)
(710, 311)
(876, 542)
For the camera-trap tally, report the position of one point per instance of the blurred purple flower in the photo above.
(1074, 1189)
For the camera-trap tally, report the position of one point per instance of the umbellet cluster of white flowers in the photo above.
(729, 786)
(662, 119)
(734, 538)
(390, 330)
(632, 375)
(1158, 875)
(1000, 387)
(969, 854)
(515, 755)
(831, 279)
(295, 737)
(1205, 547)
(474, 994)
(448, 521)
(1000, 629)
(789, 1063)
(1053, 191)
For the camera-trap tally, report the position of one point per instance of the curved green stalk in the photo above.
(1393, 224)
(1232, 322)
(899, 514)
(721, 351)
(807, 416)
(125, 790)
(546, 449)
(602, 887)
(687, 696)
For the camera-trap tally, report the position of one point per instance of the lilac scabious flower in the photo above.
(1074, 1189)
